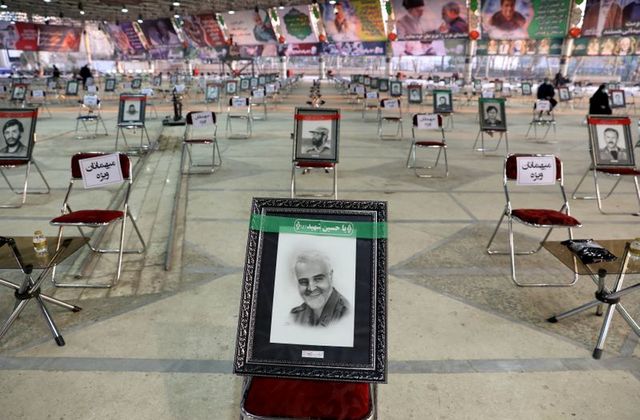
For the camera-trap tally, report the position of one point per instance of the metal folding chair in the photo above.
(306, 167)
(239, 109)
(12, 163)
(203, 132)
(96, 218)
(532, 217)
(542, 117)
(390, 111)
(370, 102)
(416, 144)
(89, 113)
(38, 99)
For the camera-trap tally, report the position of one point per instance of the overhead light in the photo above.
(47, 1)
(176, 3)
(81, 8)
(3, 6)
(176, 15)
(231, 12)
(281, 6)
(332, 2)
(124, 9)
(140, 18)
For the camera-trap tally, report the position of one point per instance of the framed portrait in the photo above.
(110, 84)
(498, 85)
(244, 84)
(231, 87)
(383, 85)
(52, 84)
(19, 92)
(136, 83)
(18, 133)
(253, 82)
(375, 82)
(262, 80)
(360, 79)
(447, 81)
(442, 101)
(72, 88)
(396, 88)
(610, 140)
(132, 109)
(436, 78)
(414, 93)
(477, 84)
(525, 89)
(563, 94)
(306, 257)
(157, 81)
(492, 114)
(212, 93)
(618, 99)
(367, 81)
(316, 134)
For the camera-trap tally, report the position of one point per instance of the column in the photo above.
(567, 50)
(283, 67)
(468, 60)
(321, 67)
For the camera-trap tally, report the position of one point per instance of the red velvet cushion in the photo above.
(89, 217)
(9, 163)
(545, 217)
(312, 164)
(430, 143)
(199, 141)
(297, 398)
(620, 171)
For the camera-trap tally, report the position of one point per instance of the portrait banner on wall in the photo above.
(431, 19)
(607, 45)
(436, 47)
(354, 49)
(19, 36)
(299, 50)
(202, 31)
(547, 46)
(492, 114)
(18, 133)
(316, 134)
(249, 27)
(610, 140)
(306, 257)
(59, 38)
(353, 20)
(611, 17)
(126, 40)
(524, 19)
(131, 109)
(295, 24)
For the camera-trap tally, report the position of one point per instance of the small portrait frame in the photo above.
(525, 89)
(367, 81)
(442, 101)
(262, 80)
(245, 84)
(414, 94)
(136, 83)
(492, 114)
(383, 85)
(72, 88)
(253, 82)
(157, 81)
(610, 140)
(231, 87)
(19, 92)
(131, 109)
(395, 87)
(17, 135)
(110, 84)
(563, 94)
(375, 82)
(316, 134)
(275, 339)
(498, 85)
(212, 92)
(477, 85)
(618, 98)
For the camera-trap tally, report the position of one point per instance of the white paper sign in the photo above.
(101, 170)
(51, 85)
(90, 101)
(270, 88)
(92, 89)
(360, 90)
(391, 104)
(372, 95)
(536, 170)
(179, 88)
(427, 121)
(202, 119)
(238, 102)
(126, 85)
(37, 93)
(258, 93)
(147, 91)
(542, 105)
(487, 94)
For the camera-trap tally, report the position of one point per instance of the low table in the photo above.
(18, 254)
(604, 296)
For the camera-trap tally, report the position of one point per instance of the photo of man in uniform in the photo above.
(12, 133)
(320, 143)
(492, 119)
(414, 95)
(442, 103)
(611, 152)
(131, 111)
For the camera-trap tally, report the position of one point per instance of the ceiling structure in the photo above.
(149, 9)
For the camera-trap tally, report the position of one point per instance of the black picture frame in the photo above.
(375, 82)
(253, 83)
(477, 85)
(618, 98)
(132, 109)
(270, 340)
(244, 84)
(563, 94)
(110, 84)
(414, 94)
(316, 134)
(18, 127)
(490, 121)
(367, 81)
(525, 89)
(231, 87)
(19, 92)
(395, 88)
(442, 101)
(610, 140)
(212, 92)
(383, 85)
(498, 85)
(72, 88)
(262, 80)
(136, 83)
(157, 81)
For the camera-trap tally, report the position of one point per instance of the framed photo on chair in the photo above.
(414, 93)
(316, 134)
(492, 114)
(610, 140)
(212, 93)
(19, 92)
(72, 88)
(383, 85)
(110, 84)
(442, 101)
(396, 88)
(18, 133)
(231, 87)
(563, 94)
(314, 292)
(132, 109)
(136, 83)
(618, 100)
(525, 89)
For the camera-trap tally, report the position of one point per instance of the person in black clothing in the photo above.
(56, 72)
(546, 93)
(599, 102)
(85, 73)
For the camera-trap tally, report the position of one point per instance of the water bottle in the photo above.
(40, 243)
(634, 249)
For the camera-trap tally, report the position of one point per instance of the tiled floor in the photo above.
(464, 342)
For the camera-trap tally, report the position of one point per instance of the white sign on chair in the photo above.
(536, 170)
(90, 101)
(202, 119)
(101, 170)
(543, 105)
(392, 104)
(238, 102)
(427, 121)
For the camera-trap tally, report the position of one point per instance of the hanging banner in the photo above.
(295, 24)
(159, 33)
(299, 50)
(607, 45)
(524, 19)
(21, 36)
(611, 17)
(520, 47)
(126, 40)
(437, 47)
(353, 20)
(59, 38)
(439, 19)
(100, 42)
(354, 49)
(202, 31)
(246, 52)
(249, 27)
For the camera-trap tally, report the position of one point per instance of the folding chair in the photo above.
(38, 99)
(259, 100)
(441, 145)
(150, 104)
(203, 132)
(306, 166)
(370, 101)
(278, 398)
(89, 113)
(542, 116)
(13, 163)
(96, 218)
(390, 111)
(239, 109)
(533, 217)
(618, 172)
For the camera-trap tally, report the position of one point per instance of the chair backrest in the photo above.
(418, 125)
(76, 172)
(390, 104)
(237, 102)
(190, 116)
(91, 101)
(540, 165)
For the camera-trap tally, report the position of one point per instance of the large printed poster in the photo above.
(429, 19)
(611, 17)
(249, 27)
(353, 20)
(162, 39)
(295, 24)
(607, 45)
(524, 19)
(519, 47)
(202, 31)
(21, 36)
(126, 40)
(437, 47)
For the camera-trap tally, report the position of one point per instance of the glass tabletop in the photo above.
(29, 255)
(615, 246)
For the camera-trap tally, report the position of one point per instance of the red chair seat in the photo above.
(545, 217)
(312, 164)
(11, 163)
(620, 171)
(297, 398)
(199, 141)
(430, 143)
(88, 217)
